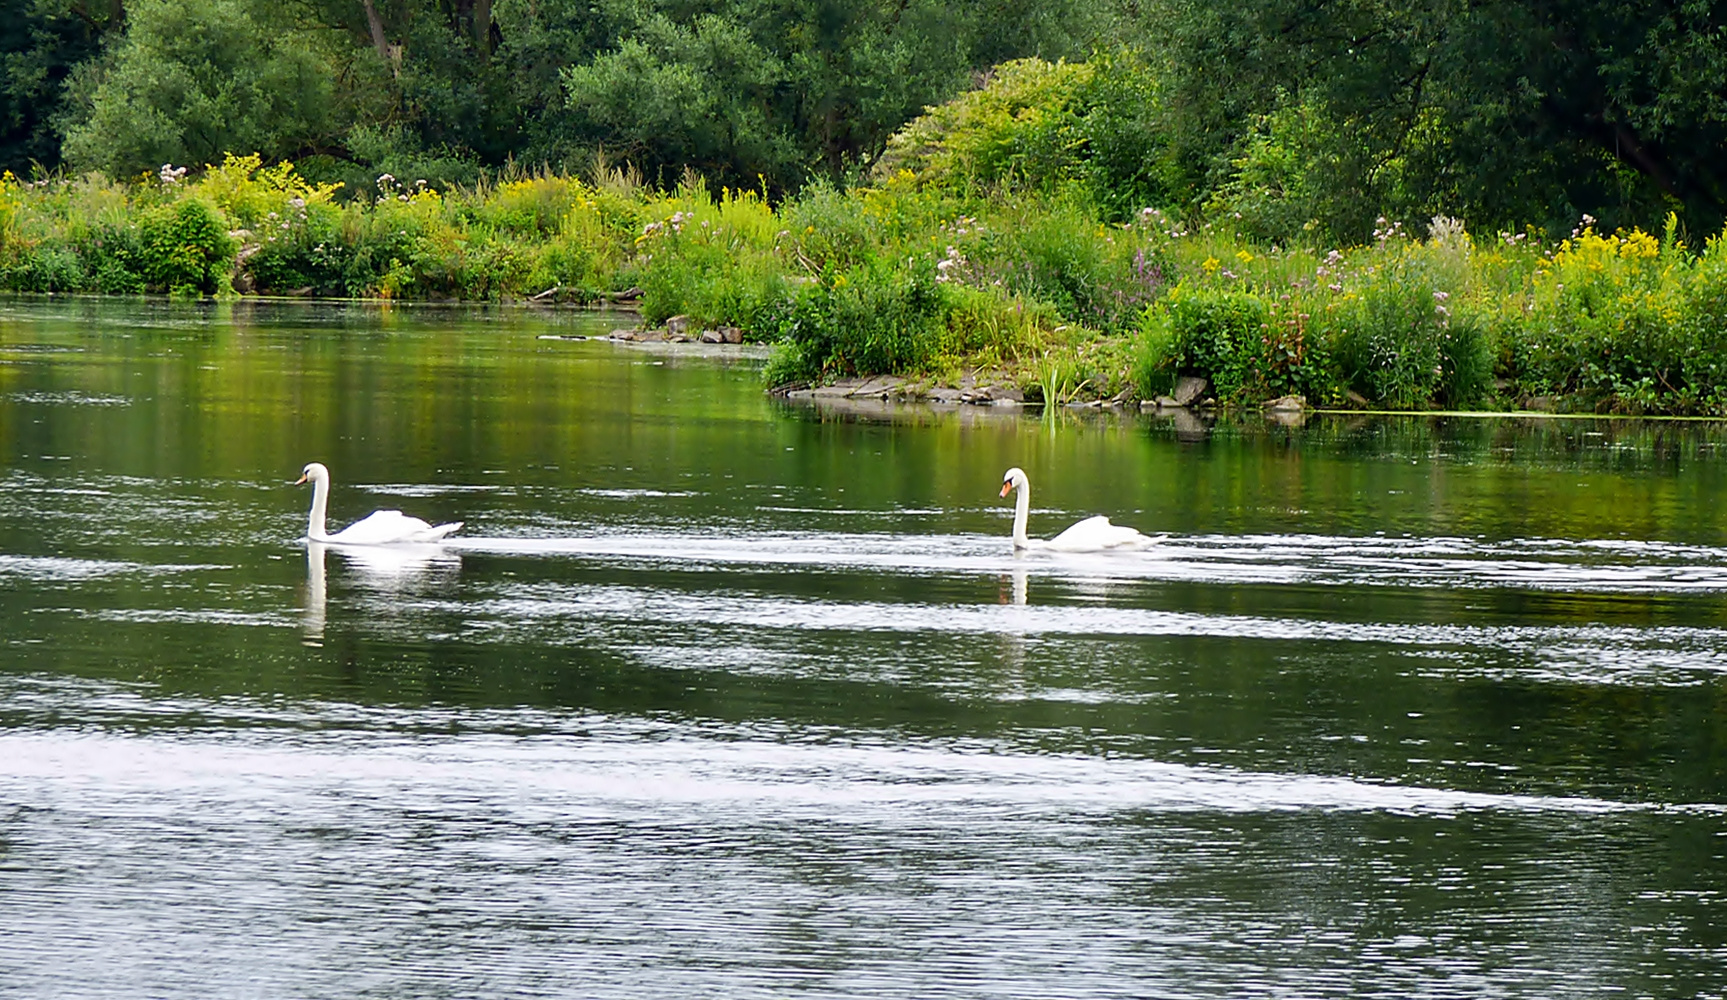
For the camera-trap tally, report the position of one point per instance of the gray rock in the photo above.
(677, 325)
(624, 334)
(1189, 388)
(731, 334)
(712, 337)
(1167, 403)
(1289, 404)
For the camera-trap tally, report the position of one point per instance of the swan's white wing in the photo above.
(1096, 533)
(385, 527)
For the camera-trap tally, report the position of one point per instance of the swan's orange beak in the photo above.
(1007, 487)
(303, 479)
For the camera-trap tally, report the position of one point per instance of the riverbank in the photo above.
(926, 275)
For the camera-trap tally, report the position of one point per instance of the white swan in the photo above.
(1094, 534)
(380, 527)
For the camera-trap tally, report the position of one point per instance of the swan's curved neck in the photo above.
(320, 503)
(1021, 508)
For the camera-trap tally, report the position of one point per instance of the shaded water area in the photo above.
(719, 696)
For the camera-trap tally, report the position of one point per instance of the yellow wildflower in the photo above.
(1640, 245)
(1211, 265)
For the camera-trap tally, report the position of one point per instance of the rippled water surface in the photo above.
(717, 696)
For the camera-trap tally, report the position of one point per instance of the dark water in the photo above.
(720, 697)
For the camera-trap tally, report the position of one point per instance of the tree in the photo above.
(1504, 111)
(41, 41)
(194, 79)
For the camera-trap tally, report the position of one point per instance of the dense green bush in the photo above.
(878, 318)
(185, 248)
(1217, 333)
(1399, 340)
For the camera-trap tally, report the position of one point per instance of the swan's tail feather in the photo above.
(441, 530)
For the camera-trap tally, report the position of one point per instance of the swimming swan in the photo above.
(380, 527)
(1093, 534)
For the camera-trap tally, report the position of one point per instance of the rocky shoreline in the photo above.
(677, 331)
(980, 387)
(994, 388)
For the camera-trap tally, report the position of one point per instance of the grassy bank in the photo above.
(979, 241)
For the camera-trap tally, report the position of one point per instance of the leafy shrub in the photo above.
(185, 248)
(113, 257)
(828, 230)
(1131, 158)
(47, 267)
(1214, 333)
(1625, 322)
(882, 317)
(1391, 338)
(190, 79)
(1022, 125)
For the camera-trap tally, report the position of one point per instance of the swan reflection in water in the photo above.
(387, 569)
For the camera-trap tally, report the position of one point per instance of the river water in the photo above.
(721, 696)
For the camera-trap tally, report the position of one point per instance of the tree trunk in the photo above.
(483, 26)
(391, 54)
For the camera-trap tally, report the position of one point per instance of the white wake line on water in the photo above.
(1537, 564)
(508, 775)
(66, 568)
(1699, 648)
(522, 759)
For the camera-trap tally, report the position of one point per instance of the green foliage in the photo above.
(1627, 322)
(1132, 154)
(185, 248)
(1396, 344)
(909, 278)
(47, 268)
(1401, 324)
(1206, 331)
(827, 231)
(41, 41)
(883, 317)
(1505, 113)
(1023, 124)
(1307, 124)
(194, 79)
